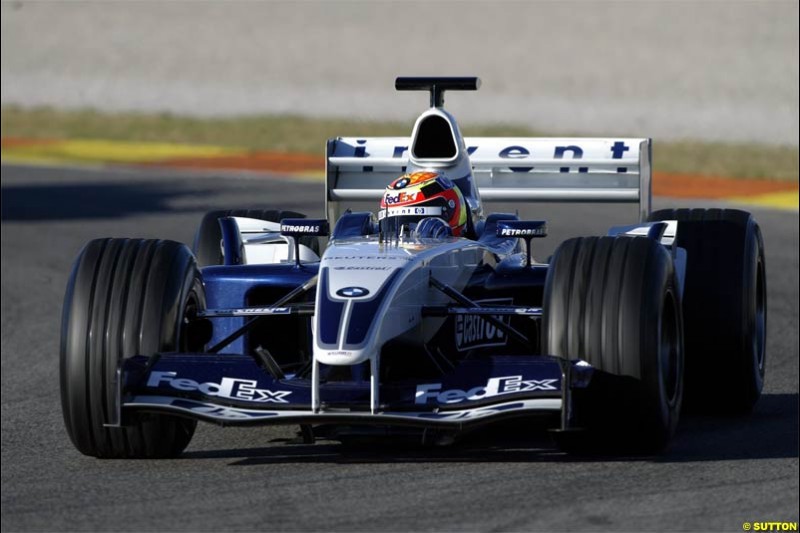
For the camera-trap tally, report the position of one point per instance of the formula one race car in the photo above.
(428, 315)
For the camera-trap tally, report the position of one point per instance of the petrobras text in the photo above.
(494, 387)
(233, 388)
(304, 226)
(519, 232)
(286, 228)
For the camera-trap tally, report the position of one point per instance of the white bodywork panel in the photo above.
(369, 265)
(264, 244)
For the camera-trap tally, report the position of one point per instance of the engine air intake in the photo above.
(434, 139)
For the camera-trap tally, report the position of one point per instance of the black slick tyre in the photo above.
(207, 239)
(614, 303)
(724, 307)
(124, 297)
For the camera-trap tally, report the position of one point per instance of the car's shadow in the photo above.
(89, 201)
(769, 432)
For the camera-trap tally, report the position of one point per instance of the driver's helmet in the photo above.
(420, 195)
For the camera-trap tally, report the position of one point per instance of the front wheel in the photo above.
(125, 297)
(614, 303)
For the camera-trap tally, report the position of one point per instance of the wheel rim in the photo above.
(669, 350)
(760, 337)
(189, 341)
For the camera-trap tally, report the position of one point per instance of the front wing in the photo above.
(235, 390)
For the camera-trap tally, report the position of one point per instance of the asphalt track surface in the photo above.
(719, 473)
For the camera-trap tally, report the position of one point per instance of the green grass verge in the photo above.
(302, 134)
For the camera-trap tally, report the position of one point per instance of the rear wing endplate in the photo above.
(504, 169)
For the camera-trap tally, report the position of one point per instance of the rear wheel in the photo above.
(207, 240)
(725, 307)
(125, 297)
(614, 303)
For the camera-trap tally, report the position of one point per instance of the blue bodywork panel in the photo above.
(230, 286)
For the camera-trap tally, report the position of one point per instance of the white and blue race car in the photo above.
(425, 314)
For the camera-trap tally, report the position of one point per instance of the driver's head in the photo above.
(413, 197)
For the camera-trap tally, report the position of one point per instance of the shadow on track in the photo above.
(769, 432)
(73, 201)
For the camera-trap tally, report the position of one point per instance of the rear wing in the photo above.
(505, 169)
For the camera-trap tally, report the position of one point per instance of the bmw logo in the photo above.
(401, 183)
(352, 292)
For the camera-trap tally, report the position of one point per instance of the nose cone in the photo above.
(355, 291)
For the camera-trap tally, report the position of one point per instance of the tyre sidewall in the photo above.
(659, 287)
(752, 370)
